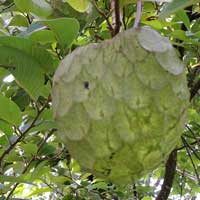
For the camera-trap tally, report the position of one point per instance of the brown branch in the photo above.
(186, 174)
(194, 90)
(170, 169)
(193, 134)
(19, 199)
(116, 23)
(7, 7)
(20, 138)
(42, 142)
(135, 191)
(190, 156)
(183, 147)
(192, 84)
(29, 18)
(104, 15)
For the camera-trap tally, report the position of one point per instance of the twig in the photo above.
(7, 151)
(195, 15)
(124, 18)
(193, 151)
(195, 137)
(30, 162)
(190, 156)
(194, 90)
(170, 169)
(134, 191)
(7, 7)
(19, 199)
(182, 183)
(183, 147)
(187, 174)
(29, 18)
(105, 16)
(54, 189)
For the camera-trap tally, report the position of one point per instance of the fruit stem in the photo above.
(138, 14)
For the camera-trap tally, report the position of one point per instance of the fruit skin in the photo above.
(120, 106)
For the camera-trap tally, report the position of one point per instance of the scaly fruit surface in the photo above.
(120, 105)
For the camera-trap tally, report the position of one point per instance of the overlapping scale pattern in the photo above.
(120, 105)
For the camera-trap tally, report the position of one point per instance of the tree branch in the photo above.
(7, 151)
(190, 156)
(193, 134)
(43, 141)
(183, 147)
(194, 90)
(116, 23)
(104, 15)
(170, 169)
(7, 7)
(195, 15)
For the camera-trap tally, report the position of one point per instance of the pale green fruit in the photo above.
(120, 105)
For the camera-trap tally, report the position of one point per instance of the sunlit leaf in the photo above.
(41, 55)
(14, 179)
(65, 29)
(29, 149)
(18, 20)
(79, 5)
(43, 36)
(176, 5)
(6, 128)
(26, 70)
(38, 7)
(39, 191)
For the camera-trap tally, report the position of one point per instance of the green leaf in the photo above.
(6, 128)
(29, 149)
(34, 27)
(65, 29)
(31, 81)
(38, 7)
(3, 33)
(21, 98)
(179, 34)
(13, 179)
(39, 191)
(25, 69)
(3, 141)
(79, 5)
(47, 150)
(62, 8)
(19, 20)
(46, 125)
(146, 198)
(182, 15)
(43, 37)
(9, 111)
(3, 73)
(39, 171)
(176, 5)
(59, 179)
(41, 55)
(100, 185)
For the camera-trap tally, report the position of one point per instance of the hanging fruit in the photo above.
(120, 106)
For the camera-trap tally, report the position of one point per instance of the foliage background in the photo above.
(34, 36)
